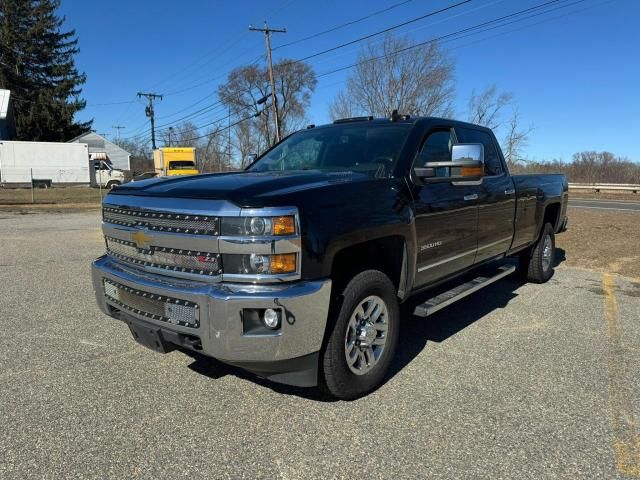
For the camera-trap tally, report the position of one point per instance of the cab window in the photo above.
(436, 148)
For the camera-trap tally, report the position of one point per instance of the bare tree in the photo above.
(485, 108)
(182, 135)
(393, 75)
(246, 143)
(588, 167)
(213, 155)
(140, 150)
(515, 140)
(295, 81)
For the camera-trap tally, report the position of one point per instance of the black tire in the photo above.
(336, 376)
(534, 265)
(113, 183)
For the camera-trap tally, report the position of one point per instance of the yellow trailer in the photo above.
(175, 161)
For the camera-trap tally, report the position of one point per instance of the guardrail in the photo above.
(597, 187)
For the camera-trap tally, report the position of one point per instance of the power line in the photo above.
(224, 48)
(464, 30)
(62, 101)
(343, 25)
(380, 32)
(231, 125)
(470, 30)
(268, 31)
(191, 87)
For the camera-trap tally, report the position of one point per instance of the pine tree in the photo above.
(37, 65)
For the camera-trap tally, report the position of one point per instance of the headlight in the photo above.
(255, 264)
(258, 226)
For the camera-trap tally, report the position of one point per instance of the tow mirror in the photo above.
(466, 165)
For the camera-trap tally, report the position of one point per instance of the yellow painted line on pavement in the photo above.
(626, 443)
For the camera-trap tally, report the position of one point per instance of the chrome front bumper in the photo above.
(304, 306)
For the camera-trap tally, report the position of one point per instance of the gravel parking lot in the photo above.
(520, 381)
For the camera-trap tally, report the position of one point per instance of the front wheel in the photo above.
(362, 341)
(112, 184)
(536, 264)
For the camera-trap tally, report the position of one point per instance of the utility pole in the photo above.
(149, 112)
(229, 136)
(170, 133)
(267, 33)
(117, 128)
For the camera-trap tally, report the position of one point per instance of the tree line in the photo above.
(587, 167)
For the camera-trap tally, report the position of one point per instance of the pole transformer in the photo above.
(267, 33)
(149, 112)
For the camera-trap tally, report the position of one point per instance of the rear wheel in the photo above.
(112, 183)
(362, 341)
(536, 264)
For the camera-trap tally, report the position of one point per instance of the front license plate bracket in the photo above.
(150, 337)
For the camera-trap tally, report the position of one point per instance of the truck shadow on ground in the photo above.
(415, 334)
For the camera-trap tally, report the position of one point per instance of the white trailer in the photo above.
(45, 162)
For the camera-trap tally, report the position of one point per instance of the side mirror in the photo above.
(466, 165)
(249, 159)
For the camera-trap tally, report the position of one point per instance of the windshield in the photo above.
(372, 149)
(182, 165)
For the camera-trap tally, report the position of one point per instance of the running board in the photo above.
(445, 299)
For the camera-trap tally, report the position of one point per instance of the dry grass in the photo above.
(603, 240)
(57, 195)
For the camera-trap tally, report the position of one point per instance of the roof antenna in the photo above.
(394, 116)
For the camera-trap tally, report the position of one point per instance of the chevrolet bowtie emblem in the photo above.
(141, 239)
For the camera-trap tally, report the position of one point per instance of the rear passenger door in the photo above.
(446, 215)
(497, 198)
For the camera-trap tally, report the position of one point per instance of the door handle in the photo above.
(510, 191)
(473, 196)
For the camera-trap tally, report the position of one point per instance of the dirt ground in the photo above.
(603, 240)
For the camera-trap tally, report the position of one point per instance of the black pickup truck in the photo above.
(295, 268)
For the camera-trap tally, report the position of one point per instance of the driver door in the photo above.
(446, 216)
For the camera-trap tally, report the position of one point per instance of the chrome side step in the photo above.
(445, 299)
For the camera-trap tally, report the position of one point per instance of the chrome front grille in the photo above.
(152, 306)
(171, 259)
(186, 238)
(161, 221)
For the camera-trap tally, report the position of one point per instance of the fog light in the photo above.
(270, 318)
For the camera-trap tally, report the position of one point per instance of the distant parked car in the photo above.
(144, 176)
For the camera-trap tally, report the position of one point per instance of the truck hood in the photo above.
(245, 189)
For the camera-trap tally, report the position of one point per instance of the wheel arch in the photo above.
(388, 254)
(551, 215)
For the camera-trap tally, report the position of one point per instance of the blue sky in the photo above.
(574, 72)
